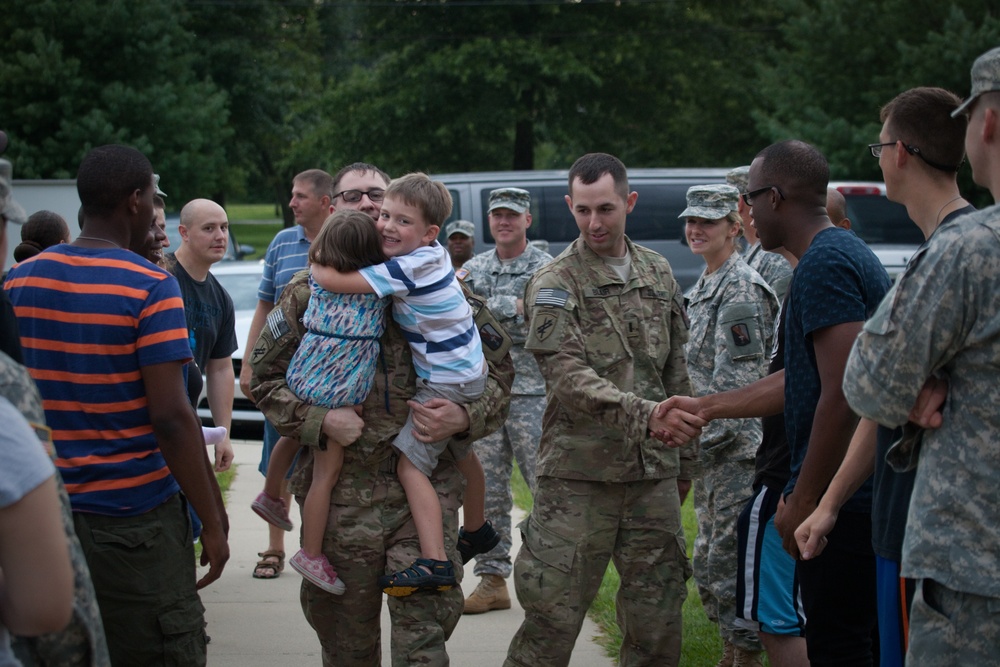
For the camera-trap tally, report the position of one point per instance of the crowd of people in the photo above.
(838, 430)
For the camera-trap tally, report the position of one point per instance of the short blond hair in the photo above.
(431, 197)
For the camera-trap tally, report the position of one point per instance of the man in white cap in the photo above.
(500, 275)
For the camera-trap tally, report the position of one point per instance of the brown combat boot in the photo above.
(490, 594)
(743, 658)
(728, 655)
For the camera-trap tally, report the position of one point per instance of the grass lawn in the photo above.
(266, 223)
(702, 646)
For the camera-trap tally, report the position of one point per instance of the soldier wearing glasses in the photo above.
(315, 195)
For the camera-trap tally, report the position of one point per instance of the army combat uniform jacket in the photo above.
(385, 409)
(732, 314)
(502, 284)
(943, 317)
(609, 352)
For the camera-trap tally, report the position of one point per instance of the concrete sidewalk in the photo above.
(257, 622)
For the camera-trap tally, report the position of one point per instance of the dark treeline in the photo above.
(231, 98)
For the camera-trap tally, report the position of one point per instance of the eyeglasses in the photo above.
(748, 197)
(876, 150)
(354, 196)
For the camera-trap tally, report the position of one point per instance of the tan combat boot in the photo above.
(743, 658)
(490, 594)
(728, 655)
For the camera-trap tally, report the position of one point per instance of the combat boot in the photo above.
(490, 594)
(743, 658)
(728, 655)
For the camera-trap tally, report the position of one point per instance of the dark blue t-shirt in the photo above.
(838, 280)
(893, 489)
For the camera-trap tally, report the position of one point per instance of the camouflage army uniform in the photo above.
(502, 283)
(609, 352)
(732, 314)
(772, 267)
(943, 317)
(371, 532)
(82, 643)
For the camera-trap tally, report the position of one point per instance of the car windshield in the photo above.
(242, 288)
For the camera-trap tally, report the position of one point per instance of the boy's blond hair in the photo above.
(431, 197)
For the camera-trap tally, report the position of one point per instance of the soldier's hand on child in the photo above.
(343, 425)
(438, 419)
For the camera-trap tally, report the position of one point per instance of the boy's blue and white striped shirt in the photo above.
(430, 306)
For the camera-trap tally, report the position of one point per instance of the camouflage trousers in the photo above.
(517, 438)
(575, 528)
(363, 543)
(949, 628)
(719, 498)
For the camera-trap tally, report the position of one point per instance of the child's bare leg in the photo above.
(316, 509)
(474, 499)
(425, 508)
(282, 457)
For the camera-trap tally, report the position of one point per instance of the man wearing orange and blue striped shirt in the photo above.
(105, 338)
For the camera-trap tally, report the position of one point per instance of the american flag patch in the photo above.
(277, 324)
(549, 296)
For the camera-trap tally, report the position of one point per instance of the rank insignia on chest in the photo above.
(741, 334)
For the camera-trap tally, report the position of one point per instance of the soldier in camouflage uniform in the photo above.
(500, 276)
(732, 313)
(81, 643)
(371, 531)
(943, 321)
(607, 327)
(773, 267)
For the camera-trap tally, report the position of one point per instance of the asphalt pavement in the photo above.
(259, 622)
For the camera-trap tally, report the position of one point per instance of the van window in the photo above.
(653, 218)
(877, 220)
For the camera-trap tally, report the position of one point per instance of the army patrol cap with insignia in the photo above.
(711, 202)
(463, 227)
(515, 199)
(985, 78)
(739, 177)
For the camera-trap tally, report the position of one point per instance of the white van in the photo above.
(883, 224)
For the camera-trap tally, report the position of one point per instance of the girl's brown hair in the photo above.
(348, 241)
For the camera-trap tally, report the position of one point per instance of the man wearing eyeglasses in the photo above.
(921, 148)
(315, 196)
(838, 284)
(942, 326)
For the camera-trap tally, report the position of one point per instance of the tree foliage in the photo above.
(233, 97)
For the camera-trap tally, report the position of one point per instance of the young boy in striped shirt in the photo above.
(430, 306)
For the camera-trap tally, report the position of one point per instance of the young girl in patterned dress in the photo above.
(334, 366)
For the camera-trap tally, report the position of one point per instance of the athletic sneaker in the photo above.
(272, 510)
(317, 571)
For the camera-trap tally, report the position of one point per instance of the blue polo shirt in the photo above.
(287, 255)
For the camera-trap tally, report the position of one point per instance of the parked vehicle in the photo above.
(241, 280)
(653, 223)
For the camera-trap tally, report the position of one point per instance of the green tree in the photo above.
(80, 74)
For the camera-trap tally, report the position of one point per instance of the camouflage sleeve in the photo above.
(676, 381)
(269, 361)
(919, 326)
(558, 342)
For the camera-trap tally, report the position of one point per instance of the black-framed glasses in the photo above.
(876, 150)
(748, 197)
(354, 196)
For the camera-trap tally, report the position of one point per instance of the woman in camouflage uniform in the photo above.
(732, 312)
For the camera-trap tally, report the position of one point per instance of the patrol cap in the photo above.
(9, 208)
(711, 202)
(739, 177)
(515, 199)
(156, 185)
(463, 227)
(985, 78)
